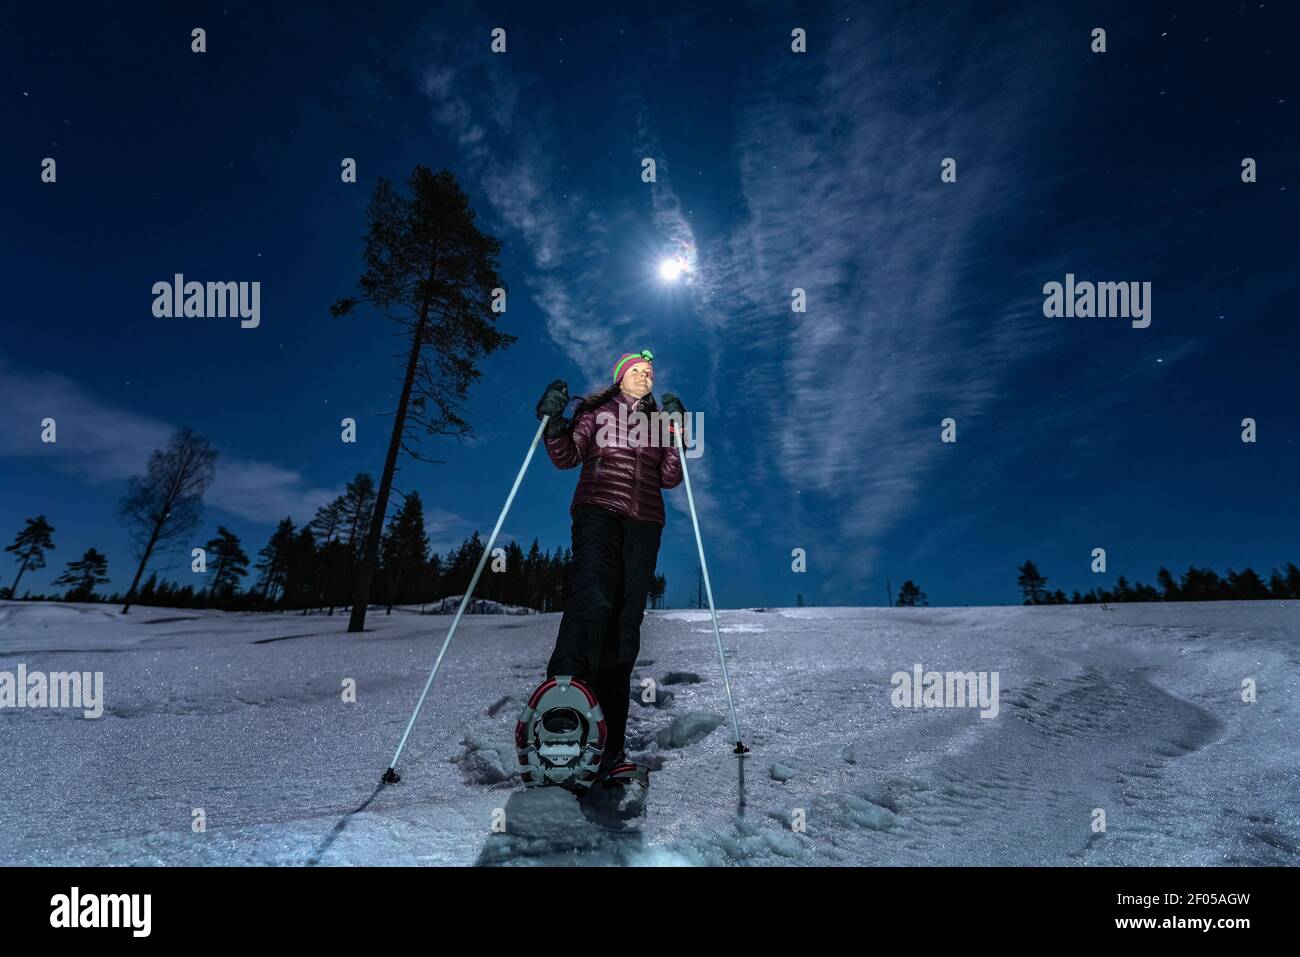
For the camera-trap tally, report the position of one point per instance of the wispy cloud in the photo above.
(838, 158)
(509, 144)
(101, 442)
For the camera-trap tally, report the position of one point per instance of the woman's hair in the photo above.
(591, 402)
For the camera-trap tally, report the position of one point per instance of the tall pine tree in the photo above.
(432, 271)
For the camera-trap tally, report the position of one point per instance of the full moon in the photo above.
(670, 269)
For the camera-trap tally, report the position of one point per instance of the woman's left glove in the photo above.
(555, 399)
(553, 404)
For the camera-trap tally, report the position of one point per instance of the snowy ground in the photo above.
(1136, 711)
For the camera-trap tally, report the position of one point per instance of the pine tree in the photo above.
(1201, 584)
(433, 578)
(335, 561)
(275, 557)
(357, 508)
(1143, 592)
(1032, 583)
(465, 561)
(300, 571)
(228, 564)
(164, 505)
(533, 577)
(29, 548)
(1293, 579)
(512, 579)
(430, 269)
(1246, 585)
(405, 547)
(1168, 587)
(657, 589)
(1277, 587)
(910, 595)
(84, 575)
(328, 521)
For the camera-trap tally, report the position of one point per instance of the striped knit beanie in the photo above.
(628, 360)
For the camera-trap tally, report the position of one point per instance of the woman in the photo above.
(618, 515)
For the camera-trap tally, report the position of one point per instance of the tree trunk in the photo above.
(221, 567)
(13, 589)
(362, 599)
(144, 560)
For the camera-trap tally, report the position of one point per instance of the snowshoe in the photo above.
(560, 735)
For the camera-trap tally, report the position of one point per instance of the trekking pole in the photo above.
(708, 590)
(391, 776)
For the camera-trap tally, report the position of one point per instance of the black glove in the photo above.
(554, 401)
(557, 426)
(673, 406)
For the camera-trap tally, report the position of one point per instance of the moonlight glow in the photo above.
(672, 268)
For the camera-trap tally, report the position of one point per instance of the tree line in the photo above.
(1195, 584)
(314, 567)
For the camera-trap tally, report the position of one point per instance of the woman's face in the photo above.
(638, 380)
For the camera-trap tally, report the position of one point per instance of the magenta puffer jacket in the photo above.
(621, 476)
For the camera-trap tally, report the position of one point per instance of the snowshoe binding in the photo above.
(618, 799)
(617, 771)
(560, 735)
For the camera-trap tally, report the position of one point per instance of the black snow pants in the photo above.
(600, 633)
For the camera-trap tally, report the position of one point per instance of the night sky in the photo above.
(775, 170)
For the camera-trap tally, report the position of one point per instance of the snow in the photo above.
(688, 729)
(1136, 711)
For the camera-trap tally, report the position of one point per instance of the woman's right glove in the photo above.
(673, 406)
(553, 404)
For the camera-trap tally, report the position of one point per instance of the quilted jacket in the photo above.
(628, 472)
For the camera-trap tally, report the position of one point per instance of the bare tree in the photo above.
(164, 505)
